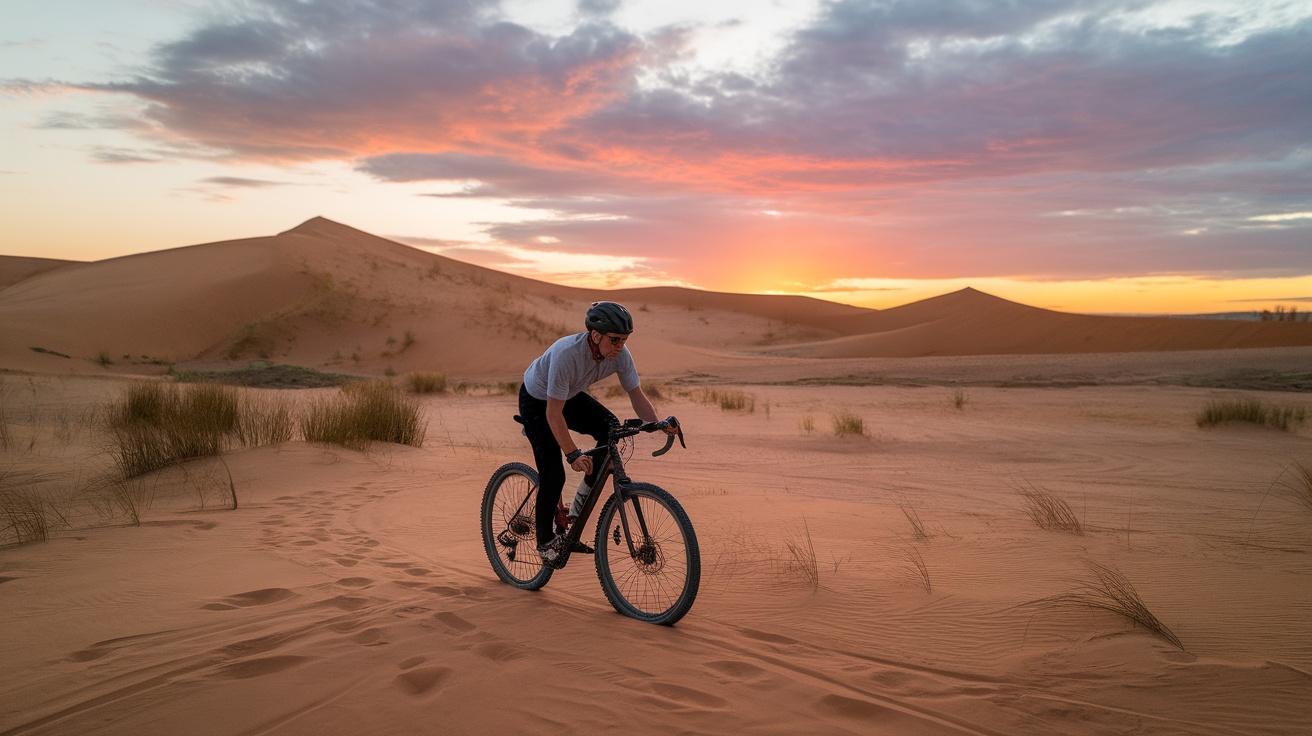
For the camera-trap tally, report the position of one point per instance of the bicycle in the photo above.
(646, 552)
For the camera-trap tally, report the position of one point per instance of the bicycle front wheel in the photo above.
(656, 582)
(509, 527)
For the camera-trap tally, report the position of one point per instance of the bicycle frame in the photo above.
(608, 463)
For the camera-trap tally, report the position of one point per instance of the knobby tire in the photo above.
(508, 514)
(660, 584)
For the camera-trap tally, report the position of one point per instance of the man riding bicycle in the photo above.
(553, 401)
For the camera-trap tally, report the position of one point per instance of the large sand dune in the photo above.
(328, 296)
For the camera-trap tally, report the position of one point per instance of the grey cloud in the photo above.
(242, 183)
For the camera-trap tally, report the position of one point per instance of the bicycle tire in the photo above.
(659, 584)
(508, 514)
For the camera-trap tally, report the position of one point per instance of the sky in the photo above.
(1105, 156)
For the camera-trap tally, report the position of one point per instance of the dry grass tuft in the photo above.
(847, 424)
(155, 425)
(369, 411)
(1300, 483)
(728, 400)
(426, 382)
(25, 516)
(1049, 511)
(801, 561)
(1109, 590)
(922, 572)
(1253, 411)
(918, 532)
(959, 399)
(806, 423)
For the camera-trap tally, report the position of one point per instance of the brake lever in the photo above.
(669, 438)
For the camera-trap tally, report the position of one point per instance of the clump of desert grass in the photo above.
(848, 424)
(1049, 511)
(918, 531)
(806, 423)
(25, 515)
(1297, 478)
(426, 382)
(727, 399)
(365, 412)
(1109, 590)
(155, 425)
(921, 571)
(1253, 411)
(800, 561)
(959, 399)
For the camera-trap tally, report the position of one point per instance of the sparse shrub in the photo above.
(654, 391)
(426, 382)
(103, 359)
(728, 400)
(1300, 483)
(1254, 411)
(156, 425)
(1049, 511)
(847, 424)
(801, 561)
(25, 517)
(806, 423)
(959, 399)
(922, 572)
(1111, 591)
(918, 532)
(408, 341)
(265, 420)
(371, 411)
(50, 352)
(506, 388)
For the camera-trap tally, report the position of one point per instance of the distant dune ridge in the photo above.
(326, 295)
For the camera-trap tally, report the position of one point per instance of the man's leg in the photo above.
(547, 457)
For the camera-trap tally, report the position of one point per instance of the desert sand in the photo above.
(349, 592)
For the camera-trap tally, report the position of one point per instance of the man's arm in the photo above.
(642, 405)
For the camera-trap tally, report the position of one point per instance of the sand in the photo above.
(349, 592)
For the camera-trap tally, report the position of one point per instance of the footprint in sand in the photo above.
(687, 696)
(736, 669)
(766, 636)
(411, 663)
(356, 582)
(253, 598)
(346, 562)
(370, 638)
(445, 591)
(345, 602)
(259, 667)
(454, 622)
(418, 572)
(499, 651)
(422, 680)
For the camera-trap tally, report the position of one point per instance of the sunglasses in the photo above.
(616, 340)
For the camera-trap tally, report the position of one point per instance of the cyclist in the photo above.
(553, 401)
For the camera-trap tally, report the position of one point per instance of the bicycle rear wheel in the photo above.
(658, 582)
(509, 527)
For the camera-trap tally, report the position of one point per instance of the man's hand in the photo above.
(582, 464)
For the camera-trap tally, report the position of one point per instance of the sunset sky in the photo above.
(1096, 156)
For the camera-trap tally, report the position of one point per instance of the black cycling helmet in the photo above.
(609, 317)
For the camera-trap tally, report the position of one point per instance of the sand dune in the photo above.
(970, 322)
(349, 593)
(328, 296)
